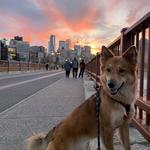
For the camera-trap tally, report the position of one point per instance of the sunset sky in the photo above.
(92, 22)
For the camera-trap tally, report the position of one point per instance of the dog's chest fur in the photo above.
(116, 116)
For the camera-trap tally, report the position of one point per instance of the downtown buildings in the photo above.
(80, 52)
(19, 50)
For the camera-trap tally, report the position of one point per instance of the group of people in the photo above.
(74, 65)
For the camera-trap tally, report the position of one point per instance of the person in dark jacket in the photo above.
(75, 67)
(82, 68)
(67, 67)
(46, 66)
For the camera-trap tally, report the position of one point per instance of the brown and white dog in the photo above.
(118, 79)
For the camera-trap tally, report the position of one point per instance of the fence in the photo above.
(138, 35)
(6, 66)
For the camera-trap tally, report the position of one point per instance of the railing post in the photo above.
(39, 66)
(91, 67)
(28, 65)
(137, 46)
(142, 52)
(148, 71)
(122, 40)
(148, 81)
(8, 65)
(19, 66)
(137, 41)
(97, 64)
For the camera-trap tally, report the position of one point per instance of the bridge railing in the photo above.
(6, 66)
(138, 35)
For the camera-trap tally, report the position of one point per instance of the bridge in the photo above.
(35, 101)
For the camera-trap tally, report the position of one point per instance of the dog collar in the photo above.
(126, 106)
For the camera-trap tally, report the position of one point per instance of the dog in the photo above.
(117, 94)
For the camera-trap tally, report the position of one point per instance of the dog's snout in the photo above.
(111, 84)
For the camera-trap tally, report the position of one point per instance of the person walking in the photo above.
(67, 67)
(82, 68)
(75, 67)
(47, 66)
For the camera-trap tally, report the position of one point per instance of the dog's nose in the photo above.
(111, 84)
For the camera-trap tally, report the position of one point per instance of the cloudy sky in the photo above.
(93, 22)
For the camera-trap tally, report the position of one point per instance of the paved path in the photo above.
(39, 112)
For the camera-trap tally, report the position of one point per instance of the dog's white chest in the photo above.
(117, 117)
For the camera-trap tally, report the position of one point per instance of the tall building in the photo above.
(3, 50)
(51, 43)
(22, 48)
(87, 50)
(77, 47)
(68, 44)
(86, 53)
(62, 45)
(37, 54)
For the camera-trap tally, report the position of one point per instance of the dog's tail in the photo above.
(37, 142)
(40, 141)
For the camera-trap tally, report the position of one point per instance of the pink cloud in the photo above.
(136, 10)
(83, 22)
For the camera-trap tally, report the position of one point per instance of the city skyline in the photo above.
(92, 23)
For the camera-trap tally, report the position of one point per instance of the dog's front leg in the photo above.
(124, 135)
(107, 138)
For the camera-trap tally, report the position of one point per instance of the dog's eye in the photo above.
(121, 70)
(108, 69)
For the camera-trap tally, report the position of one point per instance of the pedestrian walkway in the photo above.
(45, 109)
(39, 112)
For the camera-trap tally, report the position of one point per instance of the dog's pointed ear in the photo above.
(131, 55)
(105, 54)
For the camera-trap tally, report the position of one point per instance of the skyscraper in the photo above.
(68, 42)
(62, 45)
(51, 43)
(77, 47)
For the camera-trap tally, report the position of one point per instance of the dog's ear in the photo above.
(105, 54)
(131, 55)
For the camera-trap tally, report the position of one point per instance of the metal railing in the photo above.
(138, 35)
(6, 66)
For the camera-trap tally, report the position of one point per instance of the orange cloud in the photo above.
(84, 22)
